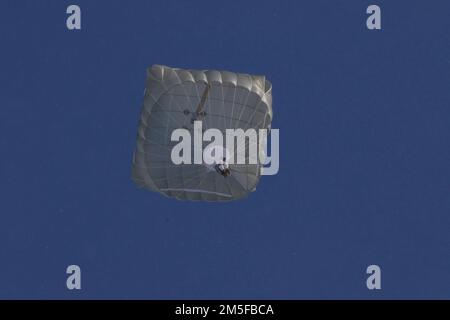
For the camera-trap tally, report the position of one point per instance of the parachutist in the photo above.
(223, 169)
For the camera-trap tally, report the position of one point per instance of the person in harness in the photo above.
(222, 168)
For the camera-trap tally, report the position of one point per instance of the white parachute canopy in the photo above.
(175, 99)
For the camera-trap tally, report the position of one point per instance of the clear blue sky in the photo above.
(365, 160)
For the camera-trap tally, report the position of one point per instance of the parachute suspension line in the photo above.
(200, 113)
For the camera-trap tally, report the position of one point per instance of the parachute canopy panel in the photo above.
(174, 99)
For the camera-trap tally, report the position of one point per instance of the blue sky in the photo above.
(364, 146)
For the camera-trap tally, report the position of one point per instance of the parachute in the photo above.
(177, 99)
